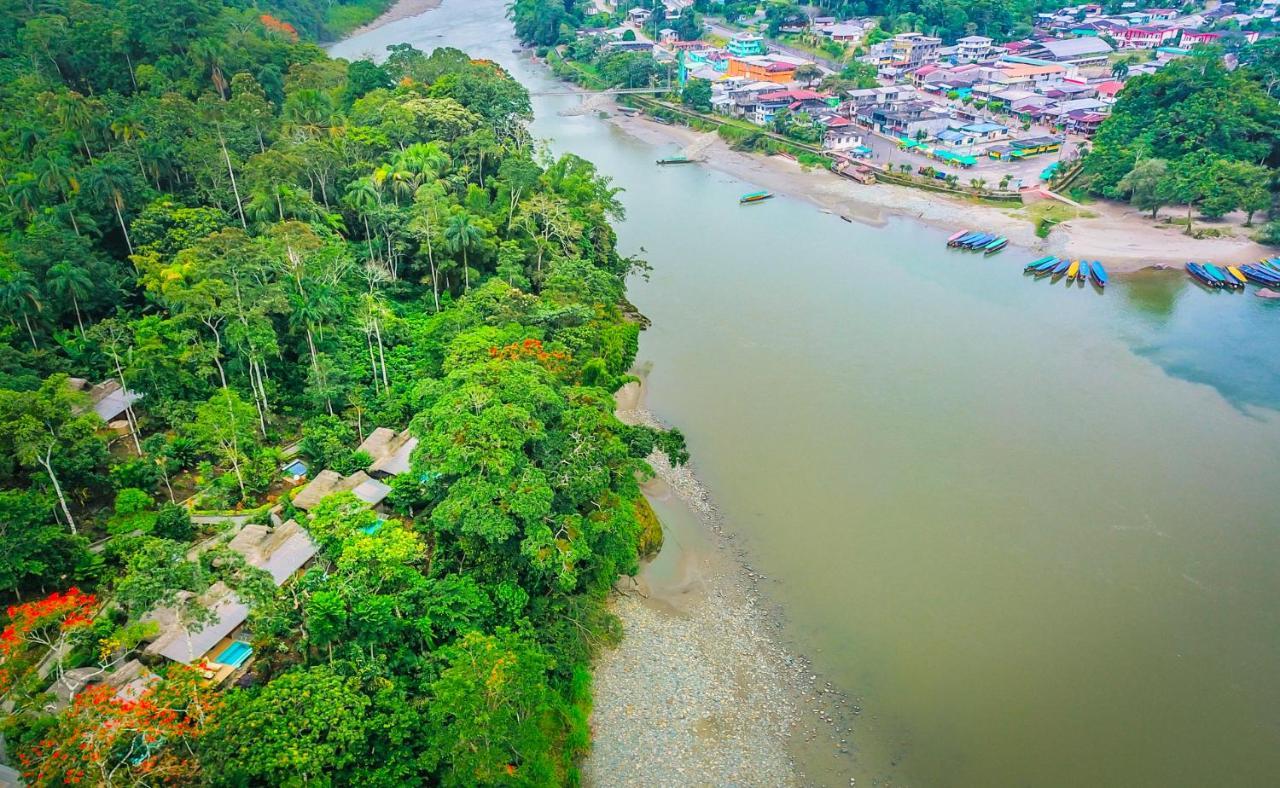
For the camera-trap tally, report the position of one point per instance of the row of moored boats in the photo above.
(977, 241)
(1074, 270)
(1264, 273)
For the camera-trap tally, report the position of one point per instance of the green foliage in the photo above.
(38, 552)
(546, 22)
(134, 512)
(1199, 118)
(262, 242)
(697, 94)
(492, 711)
(329, 442)
(306, 726)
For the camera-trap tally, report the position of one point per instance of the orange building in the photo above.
(762, 69)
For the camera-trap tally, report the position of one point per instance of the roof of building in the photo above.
(371, 491)
(393, 457)
(1079, 104)
(378, 442)
(1019, 70)
(279, 551)
(323, 485)
(1067, 48)
(108, 399)
(845, 29)
(178, 644)
(984, 128)
(1013, 94)
(1109, 88)
(794, 95)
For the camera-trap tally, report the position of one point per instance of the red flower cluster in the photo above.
(67, 610)
(147, 740)
(531, 350)
(277, 26)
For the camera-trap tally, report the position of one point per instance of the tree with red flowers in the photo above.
(105, 739)
(278, 26)
(43, 626)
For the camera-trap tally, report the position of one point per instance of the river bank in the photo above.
(1126, 240)
(402, 9)
(700, 690)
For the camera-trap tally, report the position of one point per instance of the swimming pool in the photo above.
(235, 654)
(296, 468)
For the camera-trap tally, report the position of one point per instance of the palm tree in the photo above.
(68, 280)
(1120, 69)
(425, 202)
(73, 111)
(19, 296)
(309, 112)
(208, 53)
(55, 176)
(462, 235)
(23, 191)
(424, 159)
(108, 182)
(363, 197)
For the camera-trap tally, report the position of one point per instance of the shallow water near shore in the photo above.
(1031, 527)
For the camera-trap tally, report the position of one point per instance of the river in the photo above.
(1033, 528)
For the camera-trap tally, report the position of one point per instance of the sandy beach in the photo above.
(403, 9)
(1124, 239)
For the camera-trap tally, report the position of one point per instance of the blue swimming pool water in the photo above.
(235, 654)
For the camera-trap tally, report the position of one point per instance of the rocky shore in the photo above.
(702, 691)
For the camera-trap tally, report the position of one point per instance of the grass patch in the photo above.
(342, 19)
(1048, 214)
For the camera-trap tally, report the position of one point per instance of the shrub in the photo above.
(174, 522)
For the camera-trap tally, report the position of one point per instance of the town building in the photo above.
(1076, 51)
(1145, 37)
(971, 49)
(746, 45)
(905, 51)
(841, 134)
(764, 69)
(911, 120)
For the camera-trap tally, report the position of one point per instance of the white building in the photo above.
(971, 49)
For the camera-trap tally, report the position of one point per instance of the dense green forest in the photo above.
(268, 245)
(1197, 135)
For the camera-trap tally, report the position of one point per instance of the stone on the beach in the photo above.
(1266, 292)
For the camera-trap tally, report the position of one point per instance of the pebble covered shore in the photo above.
(700, 691)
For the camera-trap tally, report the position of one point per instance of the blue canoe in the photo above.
(964, 238)
(995, 245)
(1228, 281)
(1099, 274)
(1217, 274)
(1083, 274)
(1202, 276)
(1061, 267)
(980, 238)
(1272, 272)
(1037, 262)
(1260, 276)
(1047, 266)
